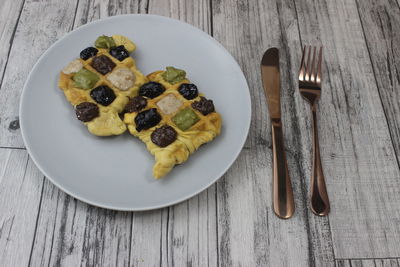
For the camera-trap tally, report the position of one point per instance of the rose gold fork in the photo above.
(310, 88)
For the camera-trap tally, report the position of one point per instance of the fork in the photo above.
(310, 88)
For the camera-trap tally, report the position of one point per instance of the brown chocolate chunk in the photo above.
(103, 64)
(164, 136)
(204, 106)
(86, 111)
(136, 104)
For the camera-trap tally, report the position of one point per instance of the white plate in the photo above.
(116, 172)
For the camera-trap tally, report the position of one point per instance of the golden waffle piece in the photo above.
(173, 109)
(102, 116)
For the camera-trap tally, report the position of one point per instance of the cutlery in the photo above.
(310, 88)
(283, 203)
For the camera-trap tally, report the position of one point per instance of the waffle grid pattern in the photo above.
(108, 122)
(205, 130)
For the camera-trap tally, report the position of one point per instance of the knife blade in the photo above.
(283, 203)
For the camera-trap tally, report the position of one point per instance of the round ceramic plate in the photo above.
(116, 172)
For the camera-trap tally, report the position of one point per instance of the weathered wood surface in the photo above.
(20, 196)
(368, 263)
(250, 230)
(380, 24)
(358, 155)
(9, 16)
(231, 223)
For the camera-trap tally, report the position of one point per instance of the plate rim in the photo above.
(110, 206)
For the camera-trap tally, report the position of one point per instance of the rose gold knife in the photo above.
(283, 203)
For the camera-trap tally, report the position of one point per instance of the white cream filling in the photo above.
(73, 66)
(169, 104)
(122, 78)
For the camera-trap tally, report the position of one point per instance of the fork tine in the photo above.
(302, 65)
(318, 77)
(308, 70)
(313, 71)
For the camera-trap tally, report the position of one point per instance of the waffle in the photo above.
(108, 121)
(187, 141)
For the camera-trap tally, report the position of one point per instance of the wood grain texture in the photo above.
(357, 152)
(71, 233)
(9, 15)
(368, 263)
(20, 195)
(231, 223)
(380, 24)
(34, 34)
(249, 233)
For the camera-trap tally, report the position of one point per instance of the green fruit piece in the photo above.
(185, 119)
(85, 79)
(173, 75)
(104, 42)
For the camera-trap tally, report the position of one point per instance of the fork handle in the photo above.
(319, 197)
(283, 203)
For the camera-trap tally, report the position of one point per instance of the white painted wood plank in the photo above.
(367, 263)
(342, 263)
(9, 15)
(20, 190)
(71, 233)
(380, 24)
(34, 34)
(249, 232)
(386, 263)
(357, 153)
(148, 232)
(90, 10)
(362, 263)
(298, 135)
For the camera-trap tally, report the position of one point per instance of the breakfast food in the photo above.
(172, 118)
(164, 110)
(100, 83)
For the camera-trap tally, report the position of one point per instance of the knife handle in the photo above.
(283, 203)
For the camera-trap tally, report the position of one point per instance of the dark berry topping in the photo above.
(86, 111)
(136, 104)
(147, 119)
(188, 90)
(103, 64)
(103, 95)
(164, 136)
(119, 52)
(88, 53)
(151, 89)
(204, 106)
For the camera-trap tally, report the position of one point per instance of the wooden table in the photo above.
(231, 223)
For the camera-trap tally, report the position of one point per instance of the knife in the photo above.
(283, 203)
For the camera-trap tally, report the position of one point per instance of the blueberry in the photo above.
(151, 89)
(119, 52)
(86, 111)
(188, 90)
(147, 119)
(88, 53)
(103, 95)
